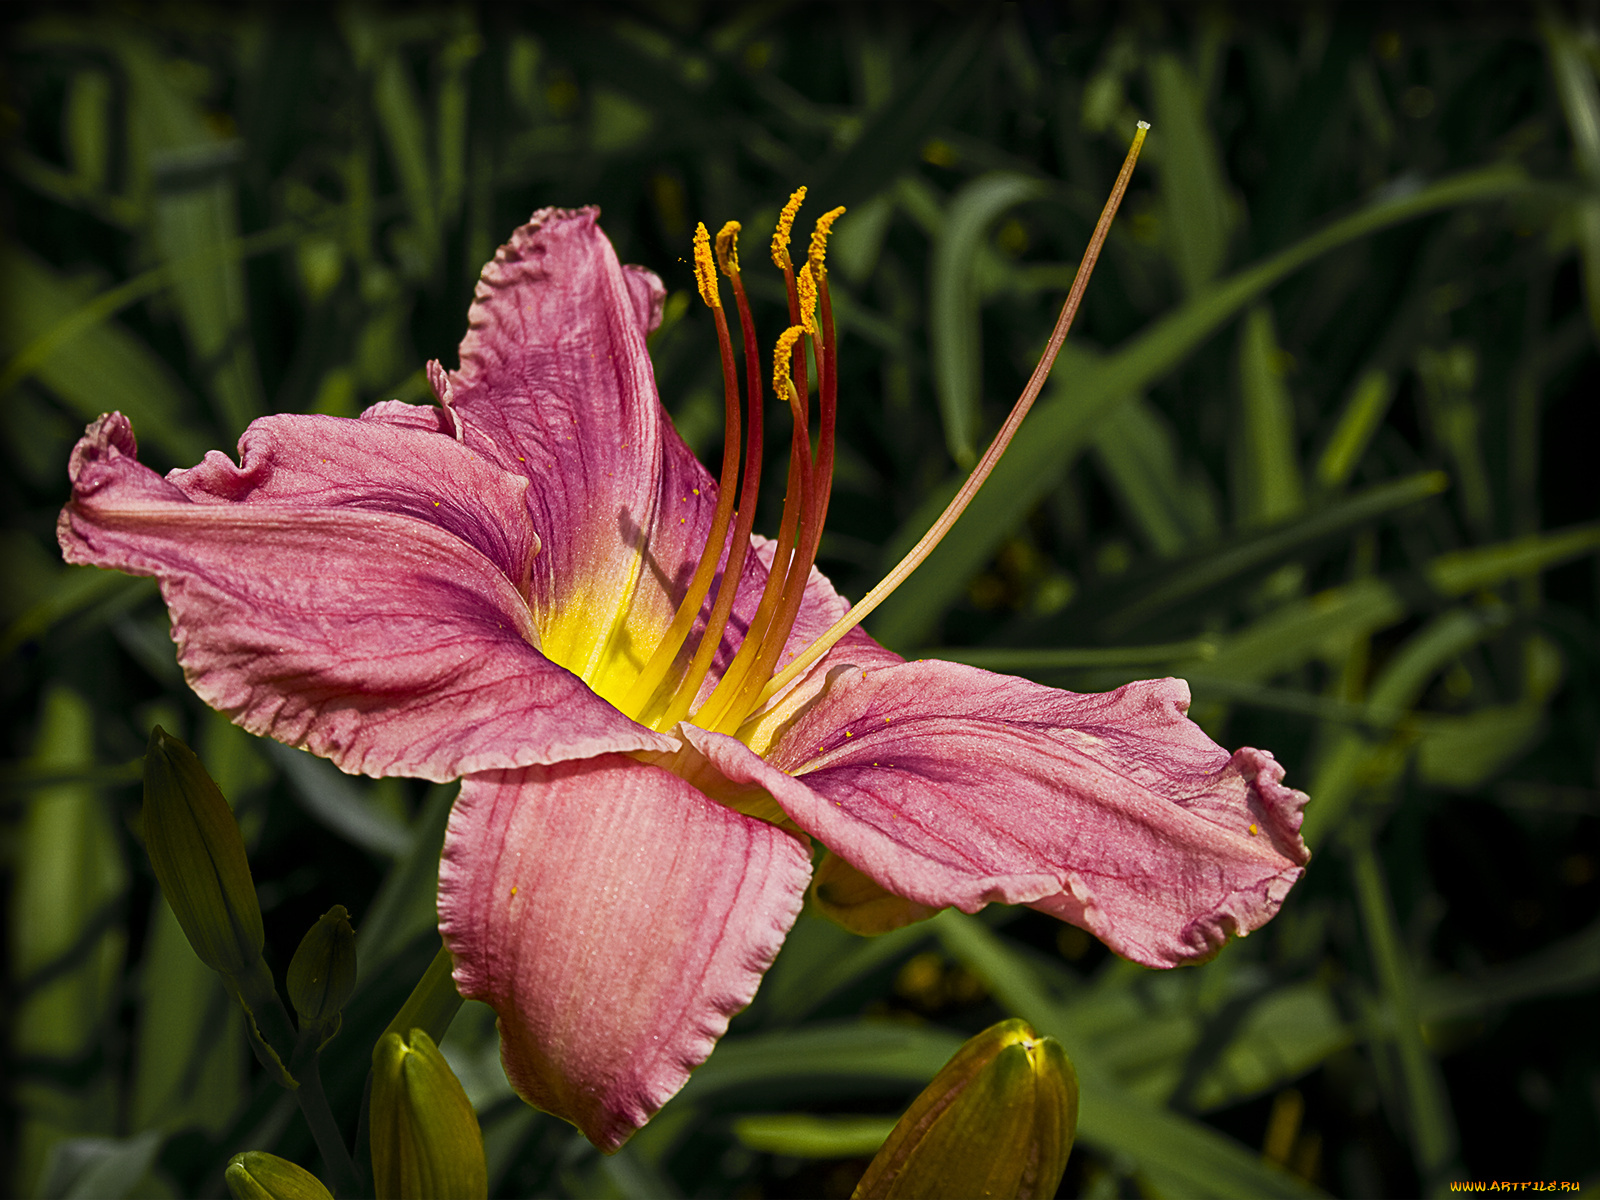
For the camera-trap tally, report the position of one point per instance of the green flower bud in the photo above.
(257, 1175)
(998, 1120)
(194, 846)
(322, 973)
(426, 1144)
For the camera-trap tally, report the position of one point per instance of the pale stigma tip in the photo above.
(1144, 124)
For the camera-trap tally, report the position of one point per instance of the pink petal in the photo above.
(616, 918)
(352, 588)
(953, 786)
(555, 383)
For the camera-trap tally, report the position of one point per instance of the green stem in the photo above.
(319, 1116)
(433, 1003)
(1427, 1102)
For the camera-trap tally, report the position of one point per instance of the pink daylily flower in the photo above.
(472, 591)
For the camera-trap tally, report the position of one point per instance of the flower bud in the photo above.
(257, 1175)
(322, 973)
(998, 1120)
(194, 846)
(425, 1138)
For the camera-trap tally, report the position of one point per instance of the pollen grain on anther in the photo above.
(780, 236)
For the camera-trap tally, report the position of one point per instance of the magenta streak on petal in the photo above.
(615, 918)
(341, 610)
(952, 786)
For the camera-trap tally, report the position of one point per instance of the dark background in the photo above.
(1346, 487)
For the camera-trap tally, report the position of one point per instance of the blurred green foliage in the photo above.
(1316, 444)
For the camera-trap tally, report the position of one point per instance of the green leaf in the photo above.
(1463, 571)
(1137, 449)
(399, 113)
(190, 1049)
(1427, 1101)
(1285, 1034)
(453, 112)
(1448, 378)
(99, 365)
(341, 805)
(1270, 490)
(819, 959)
(1465, 752)
(1568, 966)
(873, 1052)
(98, 1168)
(1580, 98)
(1144, 600)
(67, 947)
(954, 318)
(195, 210)
(1363, 412)
(1195, 206)
(405, 905)
(803, 1135)
(891, 140)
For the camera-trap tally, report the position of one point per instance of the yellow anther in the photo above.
(780, 238)
(705, 274)
(819, 240)
(728, 249)
(782, 357)
(806, 285)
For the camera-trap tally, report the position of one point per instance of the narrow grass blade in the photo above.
(1137, 450)
(1363, 412)
(1427, 1102)
(1580, 98)
(90, 362)
(1254, 552)
(1195, 206)
(67, 943)
(1269, 490)
(954, 319)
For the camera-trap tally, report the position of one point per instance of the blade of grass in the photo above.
(1363, 412)
(1194, 193)
(67, 942)
(1432, 1124)
(1270, 490)
(1137, 450)
(954, 319)
(1225, 563)
(1580, 99)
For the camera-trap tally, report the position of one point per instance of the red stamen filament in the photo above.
(785, 558)
(815, 514)
(655, 669)
(683, 698)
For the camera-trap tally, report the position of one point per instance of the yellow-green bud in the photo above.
(199, 858)
(257, 1175)
(322, 973)
(998, 1120)
(426, 1144)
